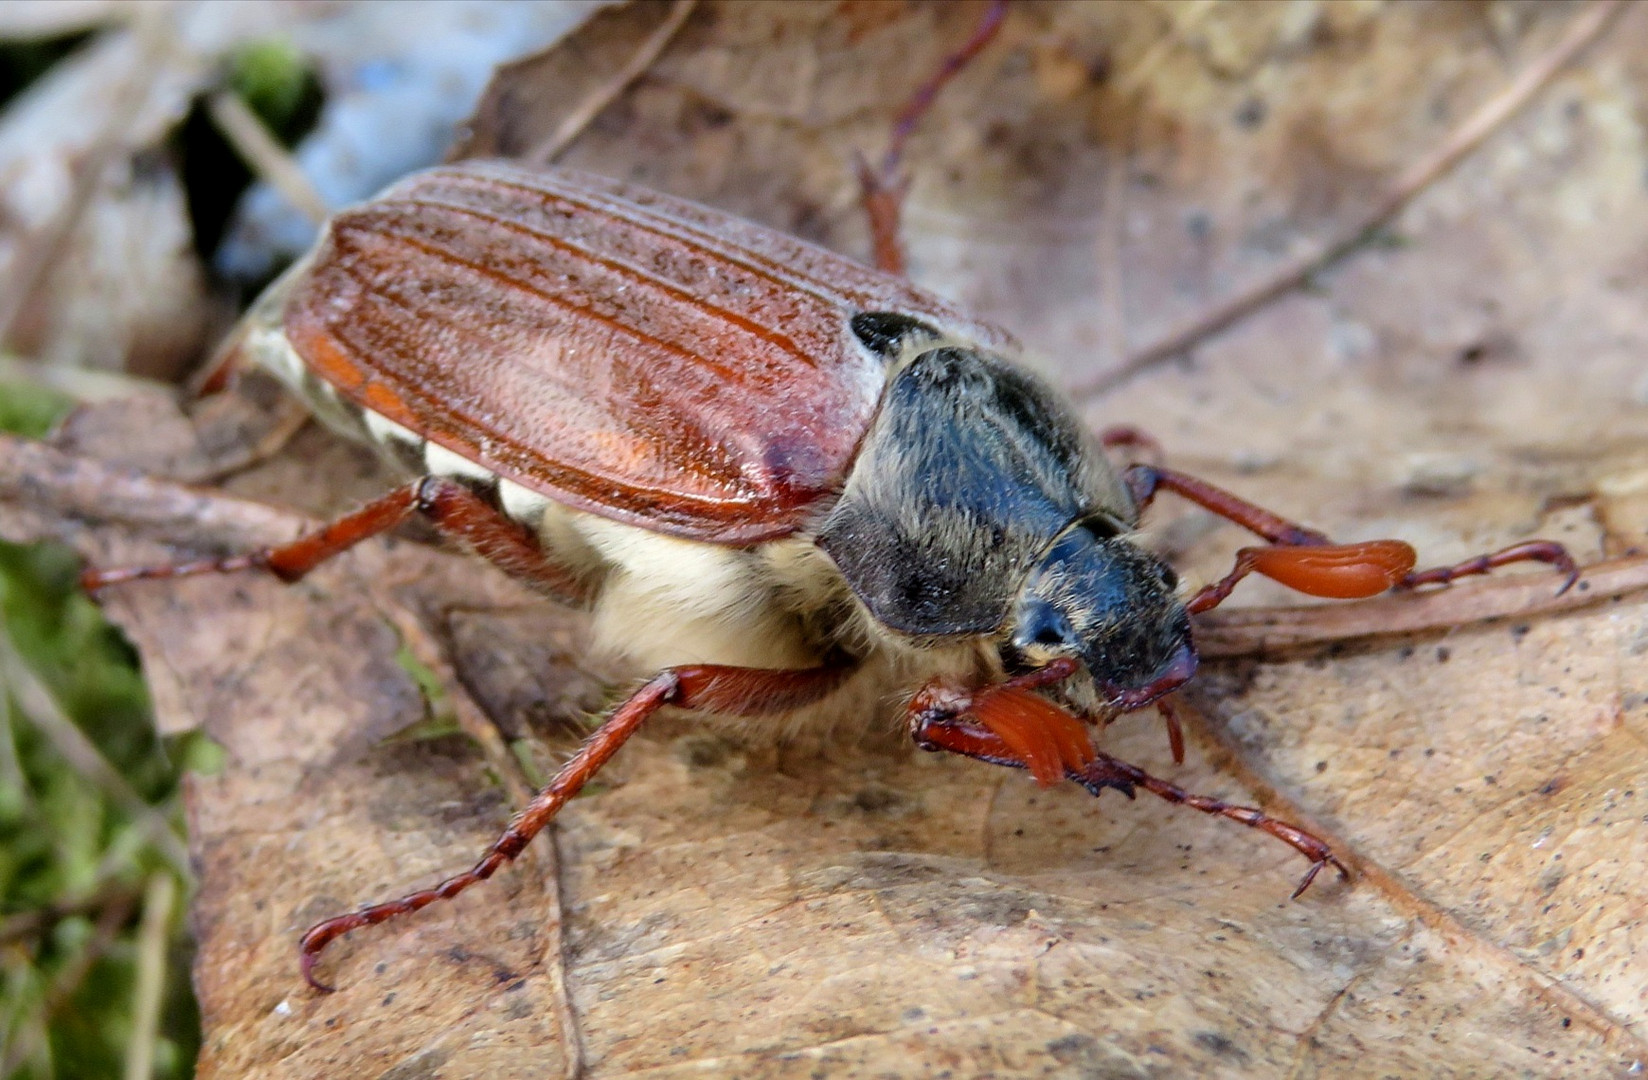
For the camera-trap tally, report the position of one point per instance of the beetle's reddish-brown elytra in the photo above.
(790, 485)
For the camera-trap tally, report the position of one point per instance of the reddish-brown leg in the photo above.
(951, 725)
(1308, 561)
(218, 374)
(1144, 481)
(1175, 734)
(1033, 732)
(1339, 571)
(453, 508)
(1107, 771)
(1127, 437)
(708, 688)
(883, 198)
(1545, 551)
(883, 188)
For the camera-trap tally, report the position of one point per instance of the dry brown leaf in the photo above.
(735, 910)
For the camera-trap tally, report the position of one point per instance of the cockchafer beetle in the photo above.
(791, 485)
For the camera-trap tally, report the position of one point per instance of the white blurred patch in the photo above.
(396, 89)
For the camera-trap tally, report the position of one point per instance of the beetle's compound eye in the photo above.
(885, 332)
(1113, 603)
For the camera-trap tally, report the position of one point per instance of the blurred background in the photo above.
(134, 231)
(1378, 265)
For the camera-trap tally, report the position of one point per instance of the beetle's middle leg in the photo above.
(1009, 725)
(713, 688)
(1307, 560)
(450, 506)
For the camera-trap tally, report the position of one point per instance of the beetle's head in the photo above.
(1098, 598)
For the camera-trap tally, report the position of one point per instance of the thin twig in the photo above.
(1270, 630)
(428, 649)
(883, 188)
(40, 707)
(152, 936)
(78, 490)
(82, 384)
(12, 777)
(1584, 29)
(31, 923)
(572, 1035)
(586, 112)
(263, 154)
(922, 100)
(68, 980)
(121, 854)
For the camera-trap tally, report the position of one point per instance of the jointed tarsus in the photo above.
(951, 721)
(451, 507)
(1309, 561)
(704, 687)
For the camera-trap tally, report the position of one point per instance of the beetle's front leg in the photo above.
(1005, 724)
(1307, 560)
(1107, 771)
(713, 688)
(451, 507)
(1010, 725)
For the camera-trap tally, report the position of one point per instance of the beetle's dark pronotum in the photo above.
(789, 485)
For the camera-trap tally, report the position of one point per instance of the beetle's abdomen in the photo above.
(620, 352)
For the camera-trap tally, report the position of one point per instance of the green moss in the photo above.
(27, 409)
(277, 84)
(70, 853)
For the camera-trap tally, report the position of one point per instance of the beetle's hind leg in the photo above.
(454, 509)
(883, 187)
(1307, 560)
(1128, 437)
(732, 691)
(972, 725)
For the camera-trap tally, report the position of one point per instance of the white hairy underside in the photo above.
(664, 601)
(661, 600)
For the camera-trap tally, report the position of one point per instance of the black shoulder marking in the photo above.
(884, 332)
